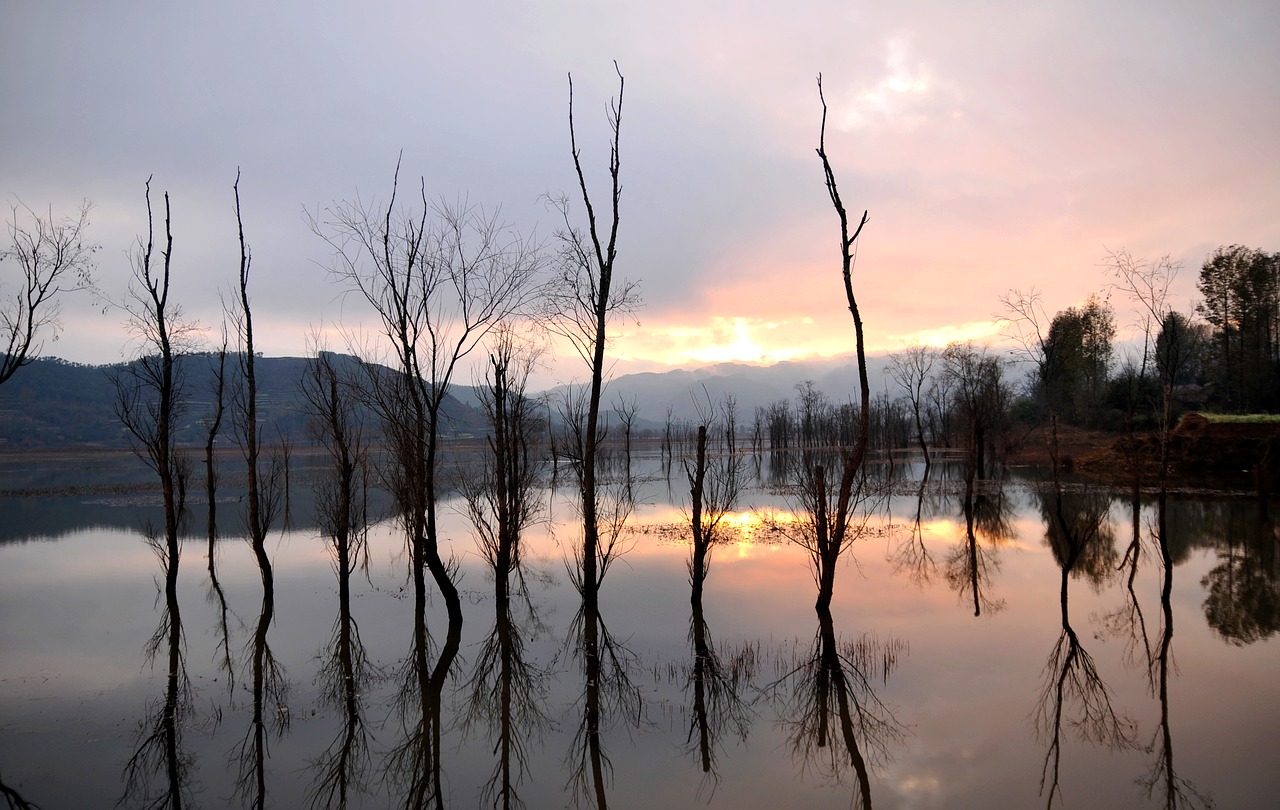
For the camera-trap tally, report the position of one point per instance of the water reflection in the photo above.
(517, 721)
(158, 774)
(1242, 592)
(1177, 791)
(714, 688)
(836, 721)
(971, 565)
(413, 764)
(508, 691)
(911, 555)
(269, 690)
(1073, 694)
(14, 799)
(1128, 621)
(343, 771)
(507, 702)
(608, 694)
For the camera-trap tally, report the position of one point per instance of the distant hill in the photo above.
(52, 404)
(683, 391)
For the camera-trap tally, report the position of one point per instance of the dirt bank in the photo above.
(1242, 455)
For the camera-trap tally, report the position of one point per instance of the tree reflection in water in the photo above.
(911, 555)
(717, 704)
(1242, 601)
(1177, 791)
(1128, 622)
(1073, 692)
(158, 774)
(270, 712)
(832, 693)
(413, 765)
(507, 697)
(971, 565)
(342, 512)
(14, 800)
(216, 596)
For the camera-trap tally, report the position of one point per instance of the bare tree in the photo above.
(334, 419)
(149, 398)
(581, 302)
(268, 680)
(910, 369)
(508, 691)
(714, 485)
(1147, 284)
(438, 286)
(53, 257)
(149, 390)
(831, 502)
(264, 485)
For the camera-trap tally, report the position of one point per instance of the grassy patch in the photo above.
(1244, 418)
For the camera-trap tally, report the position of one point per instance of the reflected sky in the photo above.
(76, 614)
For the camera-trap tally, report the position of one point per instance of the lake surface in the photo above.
(965, 674)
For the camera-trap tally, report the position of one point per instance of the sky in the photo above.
(996, 146)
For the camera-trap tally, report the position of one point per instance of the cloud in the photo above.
(906, 96)
(996, 145)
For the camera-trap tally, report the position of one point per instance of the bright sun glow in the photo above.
(738, 346)
(979, 331)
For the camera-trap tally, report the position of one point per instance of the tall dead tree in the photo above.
(264, 500)
(581, 302)
(149, 398)
(53, 257)
(832, 508)
(149, 390)
(264, 494)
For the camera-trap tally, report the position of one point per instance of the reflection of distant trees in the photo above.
(1242, 601)
(1080, 533)
(971, 564)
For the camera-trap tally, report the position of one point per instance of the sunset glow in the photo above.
(991, 151)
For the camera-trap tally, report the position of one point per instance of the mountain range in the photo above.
(52, 403)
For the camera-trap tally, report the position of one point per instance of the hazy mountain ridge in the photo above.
(684, 391)
(53, 403)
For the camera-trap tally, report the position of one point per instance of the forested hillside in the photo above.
(55, 404)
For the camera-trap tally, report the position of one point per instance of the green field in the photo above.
(1246, 418)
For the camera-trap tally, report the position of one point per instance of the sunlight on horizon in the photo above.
(939, 337)
(762, 343)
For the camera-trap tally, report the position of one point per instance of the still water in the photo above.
(959, 673)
